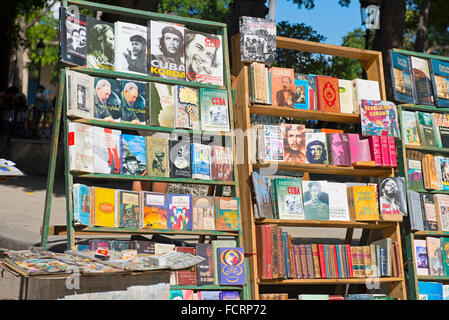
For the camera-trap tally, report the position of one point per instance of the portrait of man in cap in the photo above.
(136, 56)
(171, 46)
(131, 166)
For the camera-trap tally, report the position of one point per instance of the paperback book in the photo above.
(262, 195)
(434, 256)
(214, 110)
(227, 214)
(401, 72)
(203, 213)
(425, 128)
(100, 44)
(440, 81)
(339, 149)
(441, 129)
(133, 155)
(73, 44)
(359, 147)
(392, 196)
(301, 94)
(363, 203)
(421, 262)
(104, 214)
(133, 101)
(422, 80)
(283, 87)
(179, 214)
(130, 48)
(316, 148)
(346, 96)
(80, 95)
(257, 39)
(187, 114)
(180, 159)
(288, 198)
(106, 147)
(379, 117)
(128, 206)
(338, 202)
(364, 89)
(81, 147)
(158, 156)
(82, 204)
(315, 200)
(415, 174)
(221, 163)
(107, 101)
(200, 161)
(231, 266)
(162, 105)
(409, 128)
(294, 140)
(328, 94)
(154, 210)
(205, 269)
(272, 147)
(442, 211)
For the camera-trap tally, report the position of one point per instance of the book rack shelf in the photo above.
(60, 117)
(372, 63)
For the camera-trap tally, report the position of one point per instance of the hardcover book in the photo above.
(179, 214)
(262, 195)
(158, 155)
(162, 105)
(187, 113)
(359, 146)
(186, 277)
(301, 94)
(130, 48)
(107, 102)
(283, 87)
(133, 101)
(294, 139)
(328, 94)
(409, 128)
(425, 128)
(73, 37)
(257, 39)
(289, 198)
(415, 210)
(80, 101)
(442, 211)
(434, 256)
(364, 89)
(166, 50)
(154, 210)
(339, 149)
(379, 117)
(401, 72)
(338, 202)
(128, 207)
(100, 44)
(346, 96)
(133, 156)
(392, 196)
(106, 150)
(315, 200)
(231, 266)
(200, 161)
(214, 110)
(227, 214)
(440, 82)
(82, 204)
(422, 80)
(204, 57)
(104, 215)
(272, 147)
(415, 174)
(203, 213)
(180, 158)
(364, 203)
(81, 147)
(316, 148)
(205, 269)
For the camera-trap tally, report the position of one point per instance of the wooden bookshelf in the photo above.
(372, 63)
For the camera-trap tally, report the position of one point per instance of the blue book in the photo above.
(430, 290)
(179, 214)
(286, 255)
(401, 73)
(301, 94)
(210, 295)
(231, 266)
(383, 261)
(133, 101)
(440, 81)
(337, 248)
(82, 204)
(133, 157)
(200, 161)
(229, 295)
(326, 257)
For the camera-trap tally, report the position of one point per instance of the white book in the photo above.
(80, 99)
(200, 154)
(272, 144)
(421, 260)
(316, 147)
(130, 48)
(338, 202)
(346, 96)
(445, 292)
(107, 151)
(364, 89)
(81, 155)
(442, 208)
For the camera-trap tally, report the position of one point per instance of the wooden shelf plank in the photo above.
(427, 149)
(327, 169)
(326, 223)
(329, 281)
(432, 233)
(270, 110)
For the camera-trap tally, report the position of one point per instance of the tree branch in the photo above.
(43, 13)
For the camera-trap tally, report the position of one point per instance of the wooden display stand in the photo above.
(215, 187)
(372, 63)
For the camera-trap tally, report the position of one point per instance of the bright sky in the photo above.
(328, 18)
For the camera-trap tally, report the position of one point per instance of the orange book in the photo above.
(283, 87)
(328, 94)
(365, 204)
(105, 207)
(325, 130)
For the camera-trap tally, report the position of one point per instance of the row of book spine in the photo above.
(428, 212)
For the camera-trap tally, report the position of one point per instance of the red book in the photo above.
(384, 151)
(376, 155)
(328, 94)
(290, 253)
(392, 151)
(280, 252)
(268, 258)
(337, 272)
(398, 259)
(186, 277)
(311, 99)
(349, 254)
(322, 261)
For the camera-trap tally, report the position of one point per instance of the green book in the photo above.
(289, 198)
(409, 128)
(445, 254)
(425, 128)
(315, 200)
(415, 174)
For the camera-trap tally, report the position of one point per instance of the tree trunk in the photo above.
(7, 16)
(19, 54)
(421, 30)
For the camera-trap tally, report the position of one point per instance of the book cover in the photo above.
(81, 95)
(392, 196)
(359, 147)
(445, 255)
(154, 210)
(81, 147)
(338, 202)
(415, 210)
(392, 151)
(440, 82)
(162, 105)
(203, 213)
(222, 163)
(364, 202)
(200, 161)
(187, 113)
(82, 204)
(227, 214)
(289, 198)
(166, 50)
(128, 207)
(425, 128)
(133, 156)
(106, 150)
(443, 172)
(107, 103)
(186, 277)
(104, 215)
(379, 117)
(384, 151)
(219, 244)
(442, 211)
(422, 80)
(257, 39)
(339, 149)
(430, 290)
(441, 122)
(180, 158)
(205, 269)
(209, 295)
(401, 72)
(312, 88)
(130, 48)
(262, 195)
(316, 148)
(283, 87)
(364, 89)
(100, 44)
(315, 200)
(328, 94)
(179, 214)
(294, 141)
(231, 266)
(301, 94)
(346, 96)
(428, 205)
(409, 128)
(204, 57)
(434, 256)
(214, 110)
(158, 154)
(229, 295)
(176, 294)
(73, 37)
(133, 101)
(272, 144)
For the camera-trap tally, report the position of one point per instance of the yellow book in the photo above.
(105, 207)
(365, 204)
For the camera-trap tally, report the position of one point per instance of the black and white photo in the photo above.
(101, 42)
(392, 196)
(257, 40)
(130, 48)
